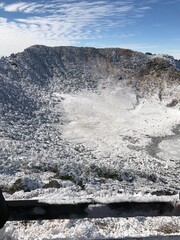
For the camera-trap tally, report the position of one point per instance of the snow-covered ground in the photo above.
(104, 120)
(108, 228)
(105, 146)
(85, 123)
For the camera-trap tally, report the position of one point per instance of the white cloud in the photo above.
(63, 22)
(24, 7)
(16, 37)
(144, 8)
(3, 20)
(14, 7)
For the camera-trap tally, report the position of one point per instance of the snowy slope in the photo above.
(80, 123)
(88, 121)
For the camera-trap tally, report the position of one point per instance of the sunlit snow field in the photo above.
(104, 120)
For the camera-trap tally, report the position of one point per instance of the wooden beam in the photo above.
(35, 210)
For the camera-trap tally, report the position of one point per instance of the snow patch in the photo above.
(101, 120)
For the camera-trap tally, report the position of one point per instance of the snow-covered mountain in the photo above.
(89, 122)
(25, 75)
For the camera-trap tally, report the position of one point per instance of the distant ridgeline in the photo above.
(28, 79)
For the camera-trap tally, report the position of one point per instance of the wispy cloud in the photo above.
(15, 7)
(63, 22)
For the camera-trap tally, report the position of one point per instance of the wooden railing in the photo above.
(35, 210)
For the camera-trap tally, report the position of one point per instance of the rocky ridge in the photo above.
(24, 76)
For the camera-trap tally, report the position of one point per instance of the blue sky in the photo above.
(142, 25)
